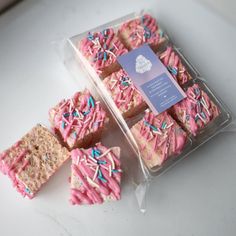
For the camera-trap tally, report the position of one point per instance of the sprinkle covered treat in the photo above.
(33, 160)
(196, 110)
(125, 95)
(101, 50)
(78, 121)
(173, 63)
(158, 137)
(142, 30)
(96, 175)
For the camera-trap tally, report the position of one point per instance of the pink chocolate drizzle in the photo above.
(195, 111)
(102, 49)
(141, 30)
(77, 117)
(123, 90)
(98, 171)
(164, 133)
(12, 166)
(173, 63)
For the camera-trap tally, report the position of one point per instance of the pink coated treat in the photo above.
(33, 160)
(79, 120)
(173, 63)
(158, 138)
(195, 111)
(96, 175)
(101, 50)
(142, 30)
(125, 95)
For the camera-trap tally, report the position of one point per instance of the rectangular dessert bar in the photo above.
(78, 121)
(158, 138)
(124, 93)
(145, 29)
(196, 111)
(175, 66)
(33, 160)
(95, 175)
(101, 50)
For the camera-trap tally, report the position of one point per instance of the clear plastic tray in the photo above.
(75, 61)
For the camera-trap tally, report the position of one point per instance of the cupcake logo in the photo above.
(142, 64)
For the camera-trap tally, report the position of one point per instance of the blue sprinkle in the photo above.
(163, 125)
(147, 33)
(63, 124)
(151, 126)
(196, 91)
(102, 179)
(115, 171)
(104, 32)
(172, 70)
(100, 173)
(125, 83)
(102, 162)
(90, 36)
(154, 128)
(203, 114)
(100, 176)
(86, 112)
(75, 134)
(91, 102)
(67, 114)
(105, 56)
(93, 153)
(97, 152)
(100, 55)
(27, 190)
(161, 33)
(75, 113)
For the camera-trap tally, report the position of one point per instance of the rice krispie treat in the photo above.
(101, 50)
(158, 138)
(33, 160)
(78, 121)
(196, 111)
(135, 33)
(96, 175)
(124, 93)
(173, 63)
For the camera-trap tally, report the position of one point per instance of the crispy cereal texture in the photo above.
(33, 160)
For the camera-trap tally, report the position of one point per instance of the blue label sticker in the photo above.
(157, 86)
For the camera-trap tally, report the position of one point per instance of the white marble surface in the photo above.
(197, 197)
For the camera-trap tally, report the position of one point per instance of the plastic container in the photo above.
(141, 174)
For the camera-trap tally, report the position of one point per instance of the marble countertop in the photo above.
(196, 197)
